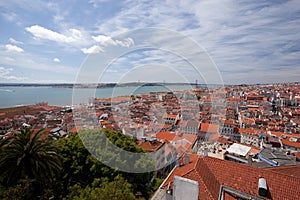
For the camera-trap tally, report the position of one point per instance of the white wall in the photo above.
(185, 189)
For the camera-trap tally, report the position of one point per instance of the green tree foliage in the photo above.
(157, 183)
(30, 163)
(112, 148)
(23, 190)
(102, 189)
(29, 155)
(80, 167)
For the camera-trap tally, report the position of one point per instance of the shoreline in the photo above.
(26, 110)
(108, 85)
(93, 85)
(59, 96)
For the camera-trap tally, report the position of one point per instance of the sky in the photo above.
(253, 41)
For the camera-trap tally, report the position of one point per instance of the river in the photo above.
(17, 96)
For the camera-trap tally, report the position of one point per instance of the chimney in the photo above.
(187, 159)
(205, 152)
(250, 160)
(262, 187)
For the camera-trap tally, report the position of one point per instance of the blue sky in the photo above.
(249, 41)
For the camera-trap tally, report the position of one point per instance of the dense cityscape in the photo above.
(231, 142)
(149, 100)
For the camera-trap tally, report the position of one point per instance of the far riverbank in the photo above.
(57, 96)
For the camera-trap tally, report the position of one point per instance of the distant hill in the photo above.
(90, 85)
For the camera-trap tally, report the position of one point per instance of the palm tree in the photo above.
(29, 155)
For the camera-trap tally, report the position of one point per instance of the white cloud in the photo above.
(92, 49)
(73, 35)
(106, 40)
(256, 35)
(13, 41)
(43, 33)
(13, 48)
(56, 60)
(239, 36)
(5, 73)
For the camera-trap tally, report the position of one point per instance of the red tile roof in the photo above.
(188, 171)
(212, 128)
(75, 129)
(211, 173)
(163, 126)
(293, 170)
(184, 169)
(222, 140)
(213, 137)
(290, 143)
(150, 146)
(170, 116)
(229, 122)
(165, 135)
(249, 131)
(297, 154)
(190, 137)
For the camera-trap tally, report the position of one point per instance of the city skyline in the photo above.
(249, 42)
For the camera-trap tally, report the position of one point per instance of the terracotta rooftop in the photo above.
(249, 131)
(212, 128)
(165, 135)
(211, 173)
(293, 170)
(150, 146)
(290, 143)
(170, 116)
(184, 169)
(75, 129)
(229, 122)
(190, 137)
(188, 171)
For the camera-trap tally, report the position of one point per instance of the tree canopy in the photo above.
(31, 158)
